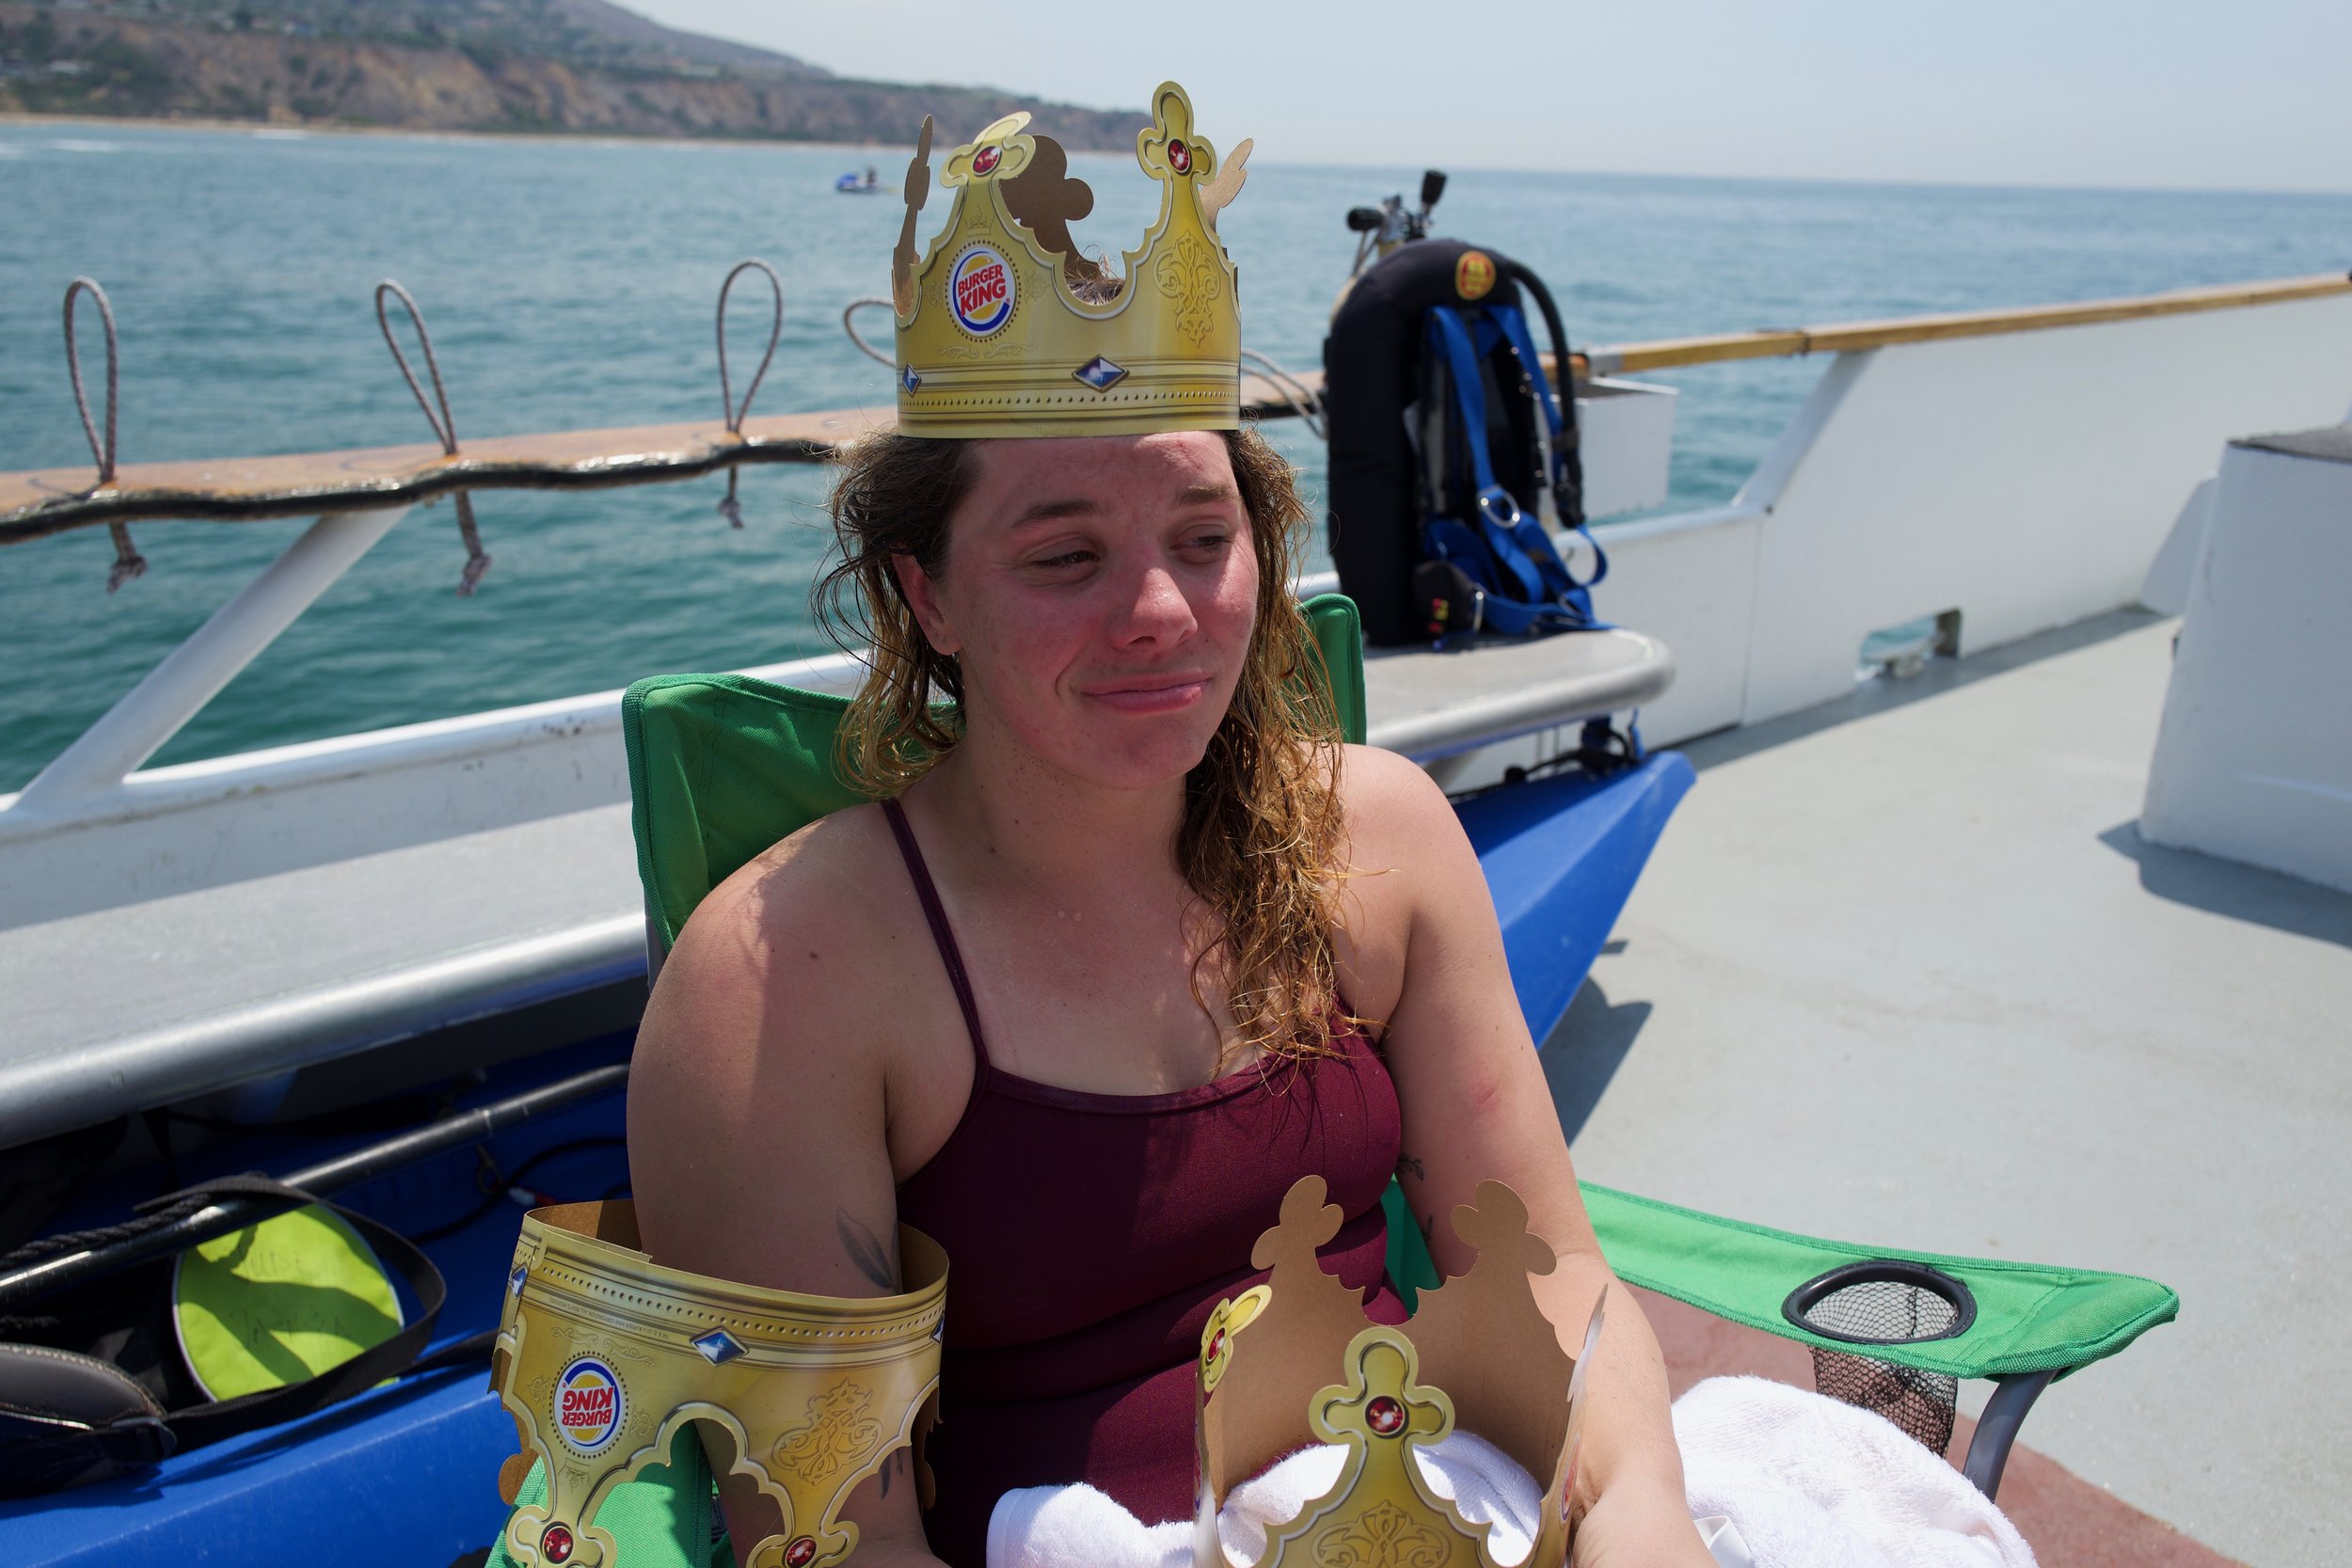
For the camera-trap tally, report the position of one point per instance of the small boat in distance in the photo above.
(851, 185)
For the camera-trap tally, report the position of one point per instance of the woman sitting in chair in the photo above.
(1130, 943)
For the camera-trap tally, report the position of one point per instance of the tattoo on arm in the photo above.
(1406, 1162)
(866, 1250)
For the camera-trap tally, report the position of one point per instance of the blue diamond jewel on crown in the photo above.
(908, 379)
(514, 1280)
(719, 1347)
(1100, 373)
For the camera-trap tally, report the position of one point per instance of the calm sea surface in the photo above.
(570, 284)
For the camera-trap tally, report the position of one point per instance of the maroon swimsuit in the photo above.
(1089, 1235)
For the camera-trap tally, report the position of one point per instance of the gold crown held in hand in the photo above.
(1005, 329)
(1478, 1352)
(604, 1354)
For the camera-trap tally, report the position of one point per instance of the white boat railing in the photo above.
(2013, 471)
(2007, 483)
(192, 674)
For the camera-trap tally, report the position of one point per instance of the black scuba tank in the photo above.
(1379, 395)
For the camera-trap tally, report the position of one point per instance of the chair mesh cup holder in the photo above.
(1886, 1301)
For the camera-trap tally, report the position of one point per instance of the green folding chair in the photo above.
(722, 766)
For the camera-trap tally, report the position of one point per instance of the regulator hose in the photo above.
(1569, 484)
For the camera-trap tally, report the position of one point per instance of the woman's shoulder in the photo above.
(792, 935)
(823, 874)
(1404, 855)
(1392, 807)
(760, 1109)
(1427, 948)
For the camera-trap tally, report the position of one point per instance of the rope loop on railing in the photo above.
(127, 563)
(444, 428)
(444, 425)
(848, 325)
(731, 411)
(1302, 399)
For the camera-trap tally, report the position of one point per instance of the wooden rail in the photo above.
(53, 501)
(1781, 342)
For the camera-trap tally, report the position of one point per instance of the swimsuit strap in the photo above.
(942, 935)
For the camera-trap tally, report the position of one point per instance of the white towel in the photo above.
(1806, 1481)
(1776, 1477)
(1078, 1527)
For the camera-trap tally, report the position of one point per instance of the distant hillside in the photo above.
(469, 65)
(577, 32)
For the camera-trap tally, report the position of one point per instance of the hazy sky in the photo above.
(2226, 94)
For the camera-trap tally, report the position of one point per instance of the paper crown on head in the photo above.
(1006, 330)
(1293, 1362)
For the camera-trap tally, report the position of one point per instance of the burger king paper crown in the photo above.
(1293, 1362)
(1005, 329)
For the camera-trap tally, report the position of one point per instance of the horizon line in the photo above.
(235, 127)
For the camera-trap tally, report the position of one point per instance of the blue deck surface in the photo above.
(1561, 857)
(406, 1476)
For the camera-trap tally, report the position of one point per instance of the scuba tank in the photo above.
(1441, 533)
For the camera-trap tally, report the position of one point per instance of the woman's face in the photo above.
(1098, 594)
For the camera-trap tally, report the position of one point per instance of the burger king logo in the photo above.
(588, 1405)
(980, 291)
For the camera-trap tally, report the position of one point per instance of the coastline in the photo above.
(289, 131)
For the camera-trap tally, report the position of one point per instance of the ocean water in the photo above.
(571, 284)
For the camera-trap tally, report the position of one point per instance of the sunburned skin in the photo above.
(1098, 596)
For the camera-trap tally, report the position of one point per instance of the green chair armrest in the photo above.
(2031, 1317)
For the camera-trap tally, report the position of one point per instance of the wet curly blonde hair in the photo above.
(1262, 836)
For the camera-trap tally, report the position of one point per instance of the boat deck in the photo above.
(1902, 971)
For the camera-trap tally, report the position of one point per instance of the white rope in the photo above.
(849, 326)
(1303, 401)
(444, 425)
(733, 412)
(127, 563)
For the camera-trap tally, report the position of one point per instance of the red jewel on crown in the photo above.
(982, 160)
(802, 1552)
(1180, 157)
(1384, 1416)
(1217, 1345)
(555, 1544)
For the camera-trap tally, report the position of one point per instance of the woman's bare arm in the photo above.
(1476, 1108)
(757, 1129)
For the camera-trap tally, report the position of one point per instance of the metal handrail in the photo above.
(1785, 343)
